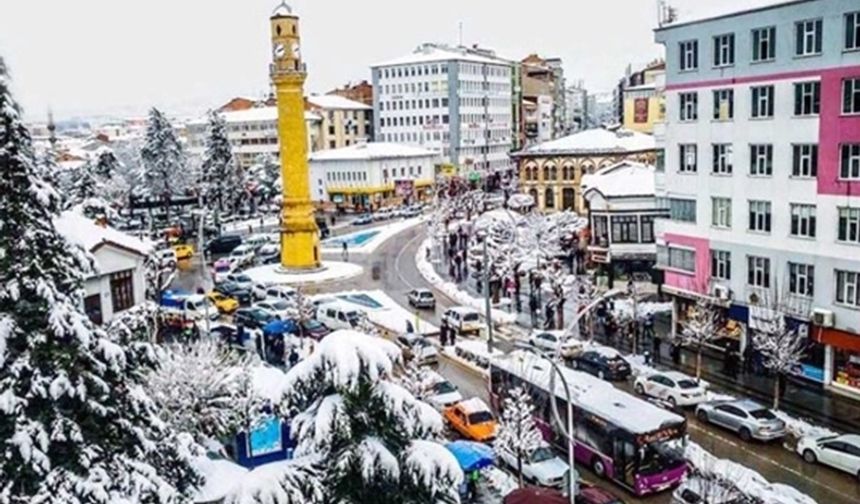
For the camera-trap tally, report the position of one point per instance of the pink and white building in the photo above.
(759, 169)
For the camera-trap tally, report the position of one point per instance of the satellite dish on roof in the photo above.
(283, 9)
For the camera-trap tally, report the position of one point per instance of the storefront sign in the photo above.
(764, 319)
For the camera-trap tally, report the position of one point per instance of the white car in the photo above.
(675, 388)
(242, 256)
(440, 392)
(463, 319)
(840, 452)
(166, 258)
(279, 292)
(541, 466)
(555, 343)
(242, 280)
(280, 308)
(258, 240)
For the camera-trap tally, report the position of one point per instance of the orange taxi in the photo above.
(472, 419)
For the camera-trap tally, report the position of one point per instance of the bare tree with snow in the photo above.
(518, 433)
(700, 328)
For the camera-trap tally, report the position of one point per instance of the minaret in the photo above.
(299, 232)
(52, 130)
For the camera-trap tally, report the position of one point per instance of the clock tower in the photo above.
(300, 249)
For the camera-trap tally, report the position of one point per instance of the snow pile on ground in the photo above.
(274, 274)
(383, 233)
(381, 310)
(624, 308)
(221, 476)
(748, 481)
(451, 289)
(801, 428)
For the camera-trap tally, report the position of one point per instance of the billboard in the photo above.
(640, 110)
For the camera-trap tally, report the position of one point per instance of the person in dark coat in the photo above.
(443, 333)
(294, 357)
(676, 352)
(655, 347)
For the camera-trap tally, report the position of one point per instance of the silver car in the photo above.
(749, 419)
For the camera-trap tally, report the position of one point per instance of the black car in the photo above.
(315, 329)
(233, 290)
(253, 318)
(604, 364)
(323, 227)
(223, 244)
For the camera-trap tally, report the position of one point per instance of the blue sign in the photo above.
(268, 441)
(265, 438)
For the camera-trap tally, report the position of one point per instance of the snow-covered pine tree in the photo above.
(518, 433)
(76, 427)
(266, 175)
(85, 186)
(216, 165)
(237, 186)
(163, 170)
(373, 440)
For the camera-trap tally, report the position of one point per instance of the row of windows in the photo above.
(414, 120)
(413, 71)
(338, 176)
(415, 137)
(808, 36)
(807, 101)
(425, 103)
(801, 277)
(804, 160)
(625, 229)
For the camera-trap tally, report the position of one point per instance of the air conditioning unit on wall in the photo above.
(721, 292)
(822, 317)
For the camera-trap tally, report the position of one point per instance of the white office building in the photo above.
(448, 100)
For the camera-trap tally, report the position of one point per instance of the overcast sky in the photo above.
(82, 57)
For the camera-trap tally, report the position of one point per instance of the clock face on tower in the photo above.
(280, 50)
(297, 51)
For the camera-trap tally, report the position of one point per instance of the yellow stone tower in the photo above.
(299, 232)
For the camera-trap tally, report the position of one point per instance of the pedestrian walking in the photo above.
(472, 487)
(345, 251)
(655, 346)
(549, 314)
(532, 307)
(676, 352)
(452, 336)
(443, 334)
(294, 357)
(748, 358)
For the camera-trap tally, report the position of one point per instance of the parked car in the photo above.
(225, 304)
(221, 269)
(269, 254)
(410, 212)
(440, 392)
(252, 317)
(224, 244)
(591, 494)
(242, 280)
(417, 347)
(603, 362)
(422, 298)
(382, 214)
(242, 256)
(280, 292)
(463, 319)
(184, 251)
(281, 308)
(839, 452)
(314, 329)
(675, 388)
(363, 220)
(338, 316)
(541, 466)
(472, 419)
(257, 241)
(233, 290)
(167, 258)
(556, 343)
(749, 419)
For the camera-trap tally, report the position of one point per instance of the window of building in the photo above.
(721, 212)
(848, 288)
(660, 161)
(724, 50)
(601, 230)
(646, 224)
(549, 198)
(122, 290)
(625, 229)
(849, 225)
(724, 104)
(689, 55)
(807, 98)
(808, 37)
(850, 165)
(803, 220)
(683, 210)
(851, 96)
(804, 160)
(764, 44)
(688, 158)
(762, 101)
(852, 31)
(761, 160)
(722, 159)
(689, 106)
(682, 259)
(721, 264)
(332, 144)
(801, 279)
(760, 216)
(758, 271)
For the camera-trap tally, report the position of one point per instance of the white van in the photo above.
(338, 316)
(463, 319)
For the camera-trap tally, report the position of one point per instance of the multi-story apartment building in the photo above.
(760, 173)
(542, 80)
(344, 122)
(577, 107)
(361, 92)
(449, 100)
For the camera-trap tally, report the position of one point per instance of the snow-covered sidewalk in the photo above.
(451, 289)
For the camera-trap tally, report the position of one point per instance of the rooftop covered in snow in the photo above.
(336, 102)
(430, 53)
(89, 235)
(254, 114)
(593, 141)
(623, 180)
(710, 11)
(370, 151)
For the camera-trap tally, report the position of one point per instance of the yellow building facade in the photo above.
(299, 232)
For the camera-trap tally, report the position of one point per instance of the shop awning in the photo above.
(836, 338)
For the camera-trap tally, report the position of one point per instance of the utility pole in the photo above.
(487, 304)
(486, 147)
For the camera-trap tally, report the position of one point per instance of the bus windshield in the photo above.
(660, 455)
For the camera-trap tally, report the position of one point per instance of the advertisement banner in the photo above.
(640, 108)
(404, 188)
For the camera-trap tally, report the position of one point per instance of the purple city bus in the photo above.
(619, 436)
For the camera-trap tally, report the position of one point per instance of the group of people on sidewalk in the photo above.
(447, 334)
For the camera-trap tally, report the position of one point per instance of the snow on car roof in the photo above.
(590, 393)
(604, 351)
(675, 375)
(462, 309)
(473, 405)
